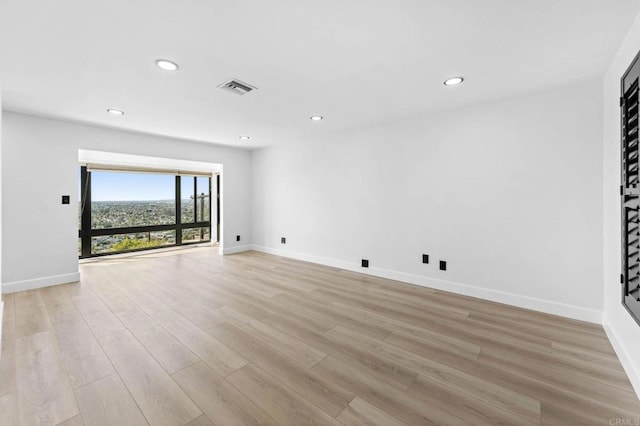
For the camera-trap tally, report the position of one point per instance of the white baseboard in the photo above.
(541, 305)
(632, 370)
(237, 249)
(40, 282)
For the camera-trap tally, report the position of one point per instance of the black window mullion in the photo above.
(218, 207)
(85, 205)
(195, 199)
(178, 211)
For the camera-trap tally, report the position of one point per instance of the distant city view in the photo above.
(123, 214)
(120, 214)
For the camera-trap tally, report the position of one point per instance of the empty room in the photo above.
(350, 213)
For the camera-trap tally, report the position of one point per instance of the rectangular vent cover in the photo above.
(236, 86)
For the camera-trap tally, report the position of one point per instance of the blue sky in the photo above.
(109, 186)
(131, 186)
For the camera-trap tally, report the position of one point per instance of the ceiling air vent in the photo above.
(237, 87)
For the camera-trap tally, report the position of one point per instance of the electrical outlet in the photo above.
(365, 263)
(237, 237)
(65, 199)
(443, 265)
(283, 240)
(425, 258)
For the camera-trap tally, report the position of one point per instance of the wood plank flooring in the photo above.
(189, 337)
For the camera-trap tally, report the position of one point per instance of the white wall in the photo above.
(1, 301)
(508, 193)
(40, 164)
(623, 331)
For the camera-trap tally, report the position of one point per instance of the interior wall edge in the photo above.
(238, 249)
(623, 332)
(1, 238)
(1, 322)
(32, 284)
(632, 370)
(547, 306)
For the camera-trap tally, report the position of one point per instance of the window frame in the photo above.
(86, 233)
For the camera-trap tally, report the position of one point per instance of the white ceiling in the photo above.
(356, 62)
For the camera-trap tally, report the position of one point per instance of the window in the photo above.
(630, 191)
(122, 211)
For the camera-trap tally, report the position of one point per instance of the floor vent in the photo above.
(237, 87)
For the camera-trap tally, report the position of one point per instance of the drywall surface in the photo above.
(507, 193)
(40, 164)
(1, 301)
(623, 331)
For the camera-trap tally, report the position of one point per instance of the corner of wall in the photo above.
(1, 322)
(621, 330)
(237, 249)
(1, 285)
(632, 370)
(35, 283)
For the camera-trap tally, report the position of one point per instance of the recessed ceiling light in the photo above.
(115, 111)
(317, 117)
(167, 65)
(244, 138)
(453, 81)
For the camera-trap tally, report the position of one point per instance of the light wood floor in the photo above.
(191, 337)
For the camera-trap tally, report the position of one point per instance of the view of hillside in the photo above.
(121, 214)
